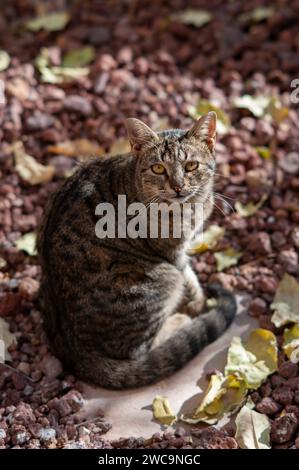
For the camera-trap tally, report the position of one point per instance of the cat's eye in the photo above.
(158, 169)
(191, 166)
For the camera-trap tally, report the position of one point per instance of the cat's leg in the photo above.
(195, 292)
(169, 327)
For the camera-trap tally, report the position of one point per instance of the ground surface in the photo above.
(149, 67)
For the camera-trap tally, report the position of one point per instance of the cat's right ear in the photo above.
(139, 134)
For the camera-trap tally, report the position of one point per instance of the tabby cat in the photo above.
(110, 304)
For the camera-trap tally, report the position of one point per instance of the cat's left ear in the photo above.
(205, 130)
(140, 135)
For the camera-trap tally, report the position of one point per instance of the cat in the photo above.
(110, 306)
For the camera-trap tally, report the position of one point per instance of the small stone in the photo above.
(46, 434)
(28, 288)
(39, 121)
(78, 104)
(260, 243)
(289, 261)
(51, 367)
(267, 406)
(23, 414)
(288, 370)
(257, 307)
(283, 395)
(283, 428)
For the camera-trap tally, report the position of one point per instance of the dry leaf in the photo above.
(254, 360)
(264, 152)
(197, 18)
(79, 148)
(27, 243)
(56, 74)
(249, 209)
(162, 411)
(227, 258)
(54, 21)
(2, 263)
(120, 147)
(79, 57)
(209, 239)
(223, 396)
(286, 302)
(291, 340)
(6, 340)
(263, 106)
(4, 60)
(28, 168)
(253, 429)
(257, 14)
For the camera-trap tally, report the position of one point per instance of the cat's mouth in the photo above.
(181, 198)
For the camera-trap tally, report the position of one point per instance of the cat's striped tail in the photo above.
(165, 359)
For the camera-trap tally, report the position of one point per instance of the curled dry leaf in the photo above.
(254, 360)
(78, 148)
(286, 302)
(223, 396)
(57, 74)
(28, 168)
(252, 429)
(6, 340)
(27, 243)
(209, 239)
(162, 411)
(227, 258)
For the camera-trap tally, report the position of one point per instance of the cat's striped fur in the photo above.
(105, 300)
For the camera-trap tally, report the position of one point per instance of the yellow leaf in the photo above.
(249, 209)
(203, 107)
(286, 302)
(57, 74)
(254, 360)
(291, 340)
(210, 238)
(54, 21)
(223, 396)
(252, 429)
(79, 57)
(80, 148)
(162, 410)
(29, 169)
(227, 258)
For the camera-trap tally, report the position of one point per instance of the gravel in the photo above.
(154, 69)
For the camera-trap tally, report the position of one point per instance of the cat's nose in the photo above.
(177, 189)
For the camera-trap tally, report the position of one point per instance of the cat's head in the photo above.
(174, 165)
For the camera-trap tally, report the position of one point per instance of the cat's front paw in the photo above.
(194, 307)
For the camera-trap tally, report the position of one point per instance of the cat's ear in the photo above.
(139, 134)
(205, 130)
